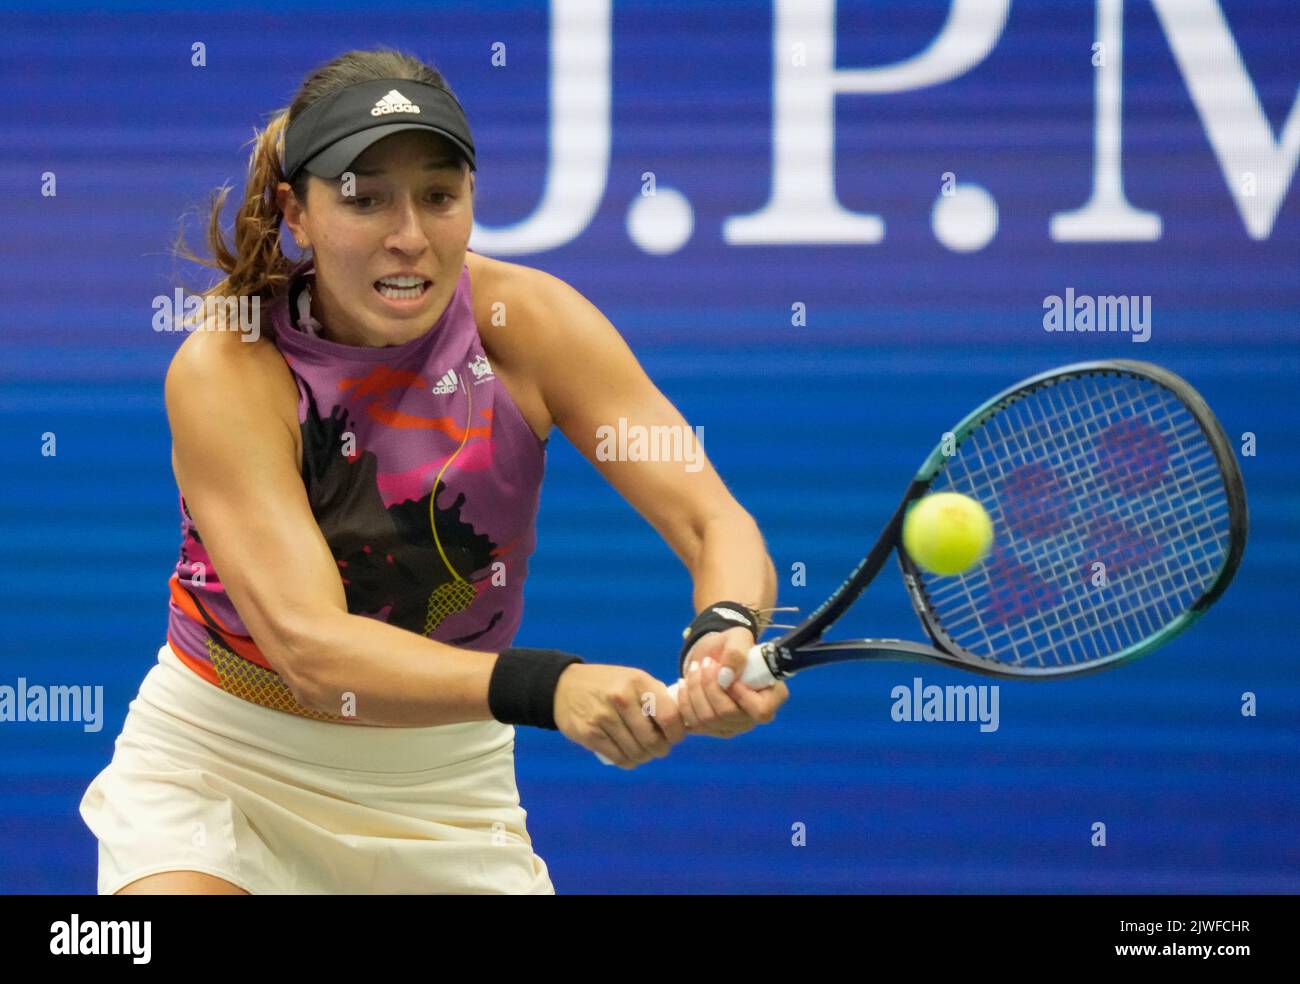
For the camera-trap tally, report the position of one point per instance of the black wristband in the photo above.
(522, 687)
(717, 617)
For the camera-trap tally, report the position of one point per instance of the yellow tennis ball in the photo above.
(947, 533)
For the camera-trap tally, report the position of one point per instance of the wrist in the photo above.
(522, 687)
(718, 617)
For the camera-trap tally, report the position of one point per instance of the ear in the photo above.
(284, 197)
(291, 209)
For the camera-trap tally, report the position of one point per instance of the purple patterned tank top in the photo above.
(423, 476)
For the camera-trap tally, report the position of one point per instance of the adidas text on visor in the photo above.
(332, 132)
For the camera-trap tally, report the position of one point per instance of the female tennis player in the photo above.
(334, 707)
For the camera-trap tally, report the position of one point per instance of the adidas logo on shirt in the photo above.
(394, 102)
(447, 384)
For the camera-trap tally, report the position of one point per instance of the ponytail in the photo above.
(254, 265)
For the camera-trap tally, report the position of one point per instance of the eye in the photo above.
(356, 202)
(443, 195)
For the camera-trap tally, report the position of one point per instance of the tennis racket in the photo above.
(1119, 516)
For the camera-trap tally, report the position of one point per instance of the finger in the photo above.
(761, 705)
(746, 697)
(667, 716)
(684, 705)
(643, 727)
(736, 655)
(606, 746)
(700, 705)
(628, 745)
(705, 646)
(729, 718)
(723, 706)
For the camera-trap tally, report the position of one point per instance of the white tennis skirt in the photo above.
(202, 780)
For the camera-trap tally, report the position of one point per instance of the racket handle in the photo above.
(757, 676)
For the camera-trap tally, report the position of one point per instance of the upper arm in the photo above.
(589, 379)
(236, 465)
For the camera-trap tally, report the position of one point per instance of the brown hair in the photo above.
(255, 265)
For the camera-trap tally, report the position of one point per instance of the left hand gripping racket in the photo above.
(1119, 517)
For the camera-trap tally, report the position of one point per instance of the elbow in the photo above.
(733, 522)
(747, 519)
(300, 654)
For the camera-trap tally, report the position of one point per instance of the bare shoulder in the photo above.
(227, 367)
(527, 318)
(505, 292)
(540, 328)
(514, 310)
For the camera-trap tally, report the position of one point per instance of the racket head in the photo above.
(1116, 463)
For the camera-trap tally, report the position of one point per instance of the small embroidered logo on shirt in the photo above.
(447, 384)
(481, 369)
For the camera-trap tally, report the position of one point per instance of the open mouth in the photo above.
(405, 292)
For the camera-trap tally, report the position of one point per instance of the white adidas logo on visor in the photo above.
(394, 102)
(447, 384)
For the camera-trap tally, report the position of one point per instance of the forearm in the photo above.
(731, 563)
(383, 675)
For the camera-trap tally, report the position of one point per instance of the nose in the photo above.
(408, 235)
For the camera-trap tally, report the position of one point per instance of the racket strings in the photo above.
(987, 490)
(1145, 620)
(1064, 641)
(1093, 470)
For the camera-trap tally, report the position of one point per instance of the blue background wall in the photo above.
(814, 428)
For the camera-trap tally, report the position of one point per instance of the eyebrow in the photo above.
(441, 164)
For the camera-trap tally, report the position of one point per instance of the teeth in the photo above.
(403, 281)
(401, 293)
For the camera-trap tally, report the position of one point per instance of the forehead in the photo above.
(419, 149)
